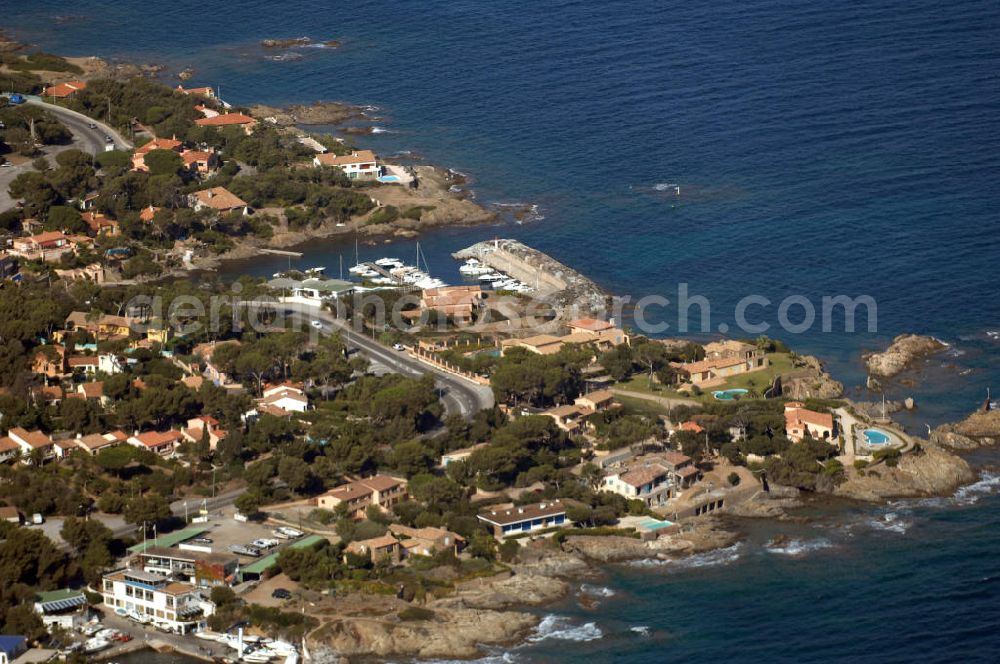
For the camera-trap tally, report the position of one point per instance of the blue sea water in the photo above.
(821, 149)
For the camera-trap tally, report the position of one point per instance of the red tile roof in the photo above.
(65, 89)
(226, 119)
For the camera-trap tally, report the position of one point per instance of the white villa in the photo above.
(179, 607)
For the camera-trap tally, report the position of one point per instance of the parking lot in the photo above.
(225, 531)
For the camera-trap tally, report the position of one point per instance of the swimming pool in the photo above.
(876, 437)
(729, 395)
(388, 178)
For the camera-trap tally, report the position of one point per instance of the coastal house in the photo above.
(206, 111)
(206, 92)
(649, 482)
(601, 333)
(801, 422)
(100, 224)
(95, 442)
(197, 428)
(64, 90)
(524, 518)
(244, 122)
(459, 455)
(457, 303)
(211, 371)
(312, 291)
(723, 359)
(94, 272)
(49, 246)
(542, 344)
(359, 165)
(160, 442)
(381, 491)
(570, 417)
(596, 401)
(47, 394)
(10, 515)
(66, 609)
(50, 361)
(690, 425)
(105, 326)
(93, 391)
(83, 364)
(202, 162)
(753, 356)
(426, 541)
(287, 397)
(9, 450)
(139, 156)
(180, 607)
(148, 213)
(384, 547)
(32, 443)
(683, 471)
(198, 568)
(218, 199)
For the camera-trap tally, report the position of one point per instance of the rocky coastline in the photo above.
(904, 350)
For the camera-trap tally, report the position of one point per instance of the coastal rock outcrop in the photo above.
(930, 471)
(286, 43)
(704, 535)
(980, 429)
(318, 113)
(810, 381)
(904, 349)
(450, 633)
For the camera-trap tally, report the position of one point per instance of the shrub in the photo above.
(385, 215)
(733, 479)
(416, 613)
(889, 456)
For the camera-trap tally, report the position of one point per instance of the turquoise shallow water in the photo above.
(821, 149)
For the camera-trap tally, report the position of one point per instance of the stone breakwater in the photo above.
(554, 282)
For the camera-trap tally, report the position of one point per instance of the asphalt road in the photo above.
(459, 396)
(85, 138)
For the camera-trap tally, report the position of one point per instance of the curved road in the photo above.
(89, 139)
(459, 396)
(86, 138)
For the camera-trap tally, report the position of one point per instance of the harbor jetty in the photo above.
(552, 281)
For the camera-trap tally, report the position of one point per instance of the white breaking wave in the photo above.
(706, 559)
(501, 658)
(382, 130)
(988, 484)
(641, 630)
(891, 522)
(665, 186)
(597, 591)
(797, 547)
(559, 627)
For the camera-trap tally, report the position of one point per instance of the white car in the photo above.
(398, 347)
(315, 323)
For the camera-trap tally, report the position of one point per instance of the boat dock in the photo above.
(551, 280)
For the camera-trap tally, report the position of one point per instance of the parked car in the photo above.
(398, 347)
(281, 593)
(92, 125)
(315, 323)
